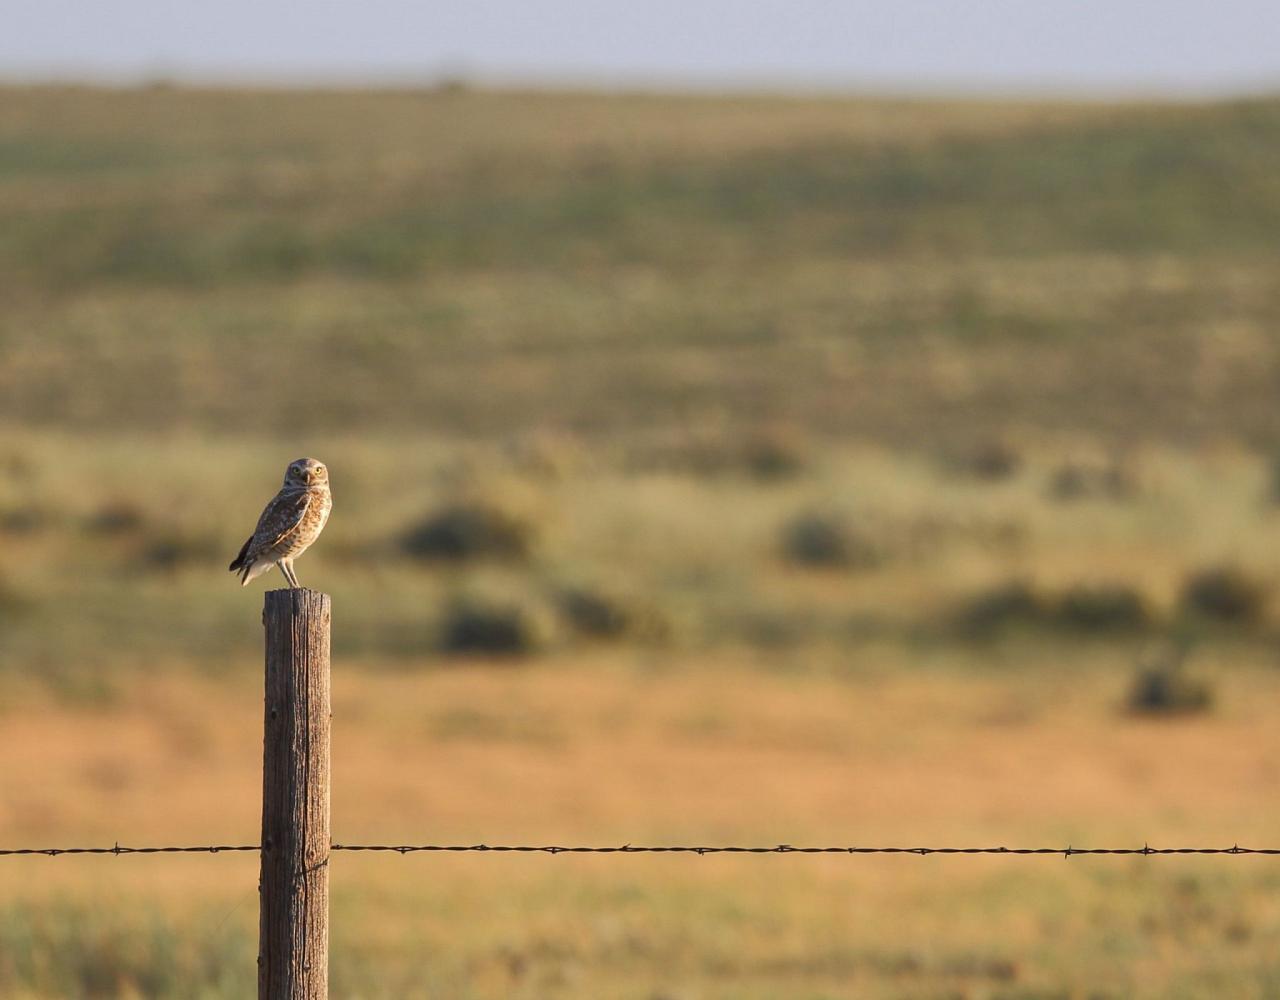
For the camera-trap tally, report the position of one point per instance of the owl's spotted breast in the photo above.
(292, 522)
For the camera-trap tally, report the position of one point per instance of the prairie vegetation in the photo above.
(705, 469)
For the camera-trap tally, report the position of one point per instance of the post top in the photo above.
(295, 600)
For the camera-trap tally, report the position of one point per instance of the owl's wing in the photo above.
(282, 516)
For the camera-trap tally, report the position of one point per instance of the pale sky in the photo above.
(1172, 46)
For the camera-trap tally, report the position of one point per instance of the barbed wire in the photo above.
(795, 849)
(1067, 852)
(53, 852)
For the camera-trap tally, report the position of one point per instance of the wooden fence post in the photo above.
(293, 928)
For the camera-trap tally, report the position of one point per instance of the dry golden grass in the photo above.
(588, 752)
(573, 751)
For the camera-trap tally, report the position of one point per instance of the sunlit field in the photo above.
(706, 470)
(588, 751)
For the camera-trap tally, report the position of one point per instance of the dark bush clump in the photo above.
(601, 614)
(767, 454)
(1080, 481)
(116, 518)
(774, 454)
(992, 461)
(11, 601)
(26, 520)
(1015, 602)
(1109, 607)
(823, 540)
(595, 614)
(468, 531)
(169, 551)
(1274, 493)
(482, 628)
(1162, 686)
(1069, 482)
(1158, 692)
(1225, 594)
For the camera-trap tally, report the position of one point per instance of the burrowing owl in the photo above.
(291, 522)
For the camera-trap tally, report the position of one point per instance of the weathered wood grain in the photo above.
(293, 933)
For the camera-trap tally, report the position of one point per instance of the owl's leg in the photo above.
(286, 568)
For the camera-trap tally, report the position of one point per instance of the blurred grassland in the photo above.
(705, 468)
(678, 548)
(656, 331)
(471, 263)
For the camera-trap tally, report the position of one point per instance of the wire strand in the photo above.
(1067, 852)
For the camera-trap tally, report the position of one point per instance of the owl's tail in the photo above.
(249, 571)
(239, 562)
